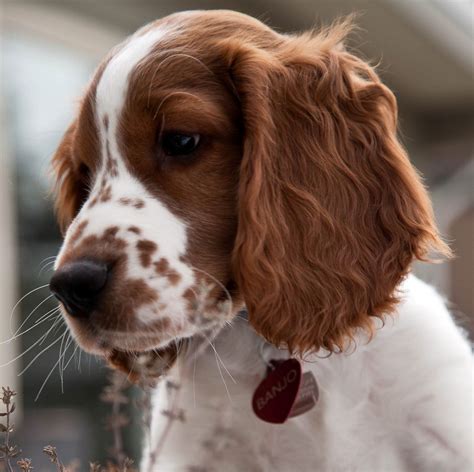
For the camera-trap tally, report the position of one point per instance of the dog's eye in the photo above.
(178, 144)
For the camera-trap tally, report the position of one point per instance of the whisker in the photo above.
(47, 378)
(47, 259)
(57, 322)
(200, 348)
(37, 342)
(156, 351)
(63, 357)
(79, 360)
(62, 345)
(72, 356)
(219, 358)
(38, 355)
(48, 264)
(31, 313)
(222, 376)
(21, 299)
(45, 317)
(63, 338)
(178, 344)
(220, 284)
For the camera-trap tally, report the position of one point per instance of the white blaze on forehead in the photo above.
(113, 85)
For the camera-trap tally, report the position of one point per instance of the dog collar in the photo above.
(285, 391)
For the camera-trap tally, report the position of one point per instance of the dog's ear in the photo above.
(331, 212)
(69, 180)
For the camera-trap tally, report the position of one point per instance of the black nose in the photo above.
(77, 285)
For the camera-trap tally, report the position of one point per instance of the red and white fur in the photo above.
(297, 202)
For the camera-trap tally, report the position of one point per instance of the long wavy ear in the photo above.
(331, 212)
(69, 181)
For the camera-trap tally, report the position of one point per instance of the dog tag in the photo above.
(308, 395)
(275, 397)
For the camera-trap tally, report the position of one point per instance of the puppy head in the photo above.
(213, 159)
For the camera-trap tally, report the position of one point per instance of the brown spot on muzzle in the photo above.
(173, 277)
(134, 229)
(78, 232)
(146, 249)
(110, 233)
(122, 295)
(162, 267)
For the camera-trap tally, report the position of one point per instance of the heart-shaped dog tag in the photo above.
(275, 396)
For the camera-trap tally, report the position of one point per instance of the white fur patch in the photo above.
(402, 402)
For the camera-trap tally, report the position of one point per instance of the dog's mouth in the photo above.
(141, 357)
(144, 367)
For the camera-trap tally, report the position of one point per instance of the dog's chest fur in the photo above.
(382, 406)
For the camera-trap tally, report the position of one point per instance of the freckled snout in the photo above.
(77, 285)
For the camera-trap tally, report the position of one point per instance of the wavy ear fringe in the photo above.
(331, 212)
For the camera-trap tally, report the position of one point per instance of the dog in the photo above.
(238, 209)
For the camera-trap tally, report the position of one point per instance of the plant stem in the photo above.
(117, 435)
(7, 439)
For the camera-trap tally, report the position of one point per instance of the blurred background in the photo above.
(49, 50)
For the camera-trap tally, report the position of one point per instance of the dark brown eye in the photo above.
(179, 144)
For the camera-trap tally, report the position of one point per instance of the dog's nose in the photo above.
(77, 285)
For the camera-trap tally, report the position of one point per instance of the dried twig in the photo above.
(114, 394)
(25, 465)
(51, 452)
(9, 451)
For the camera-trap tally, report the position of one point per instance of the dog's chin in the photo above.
(144, 367)
(143, 359)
